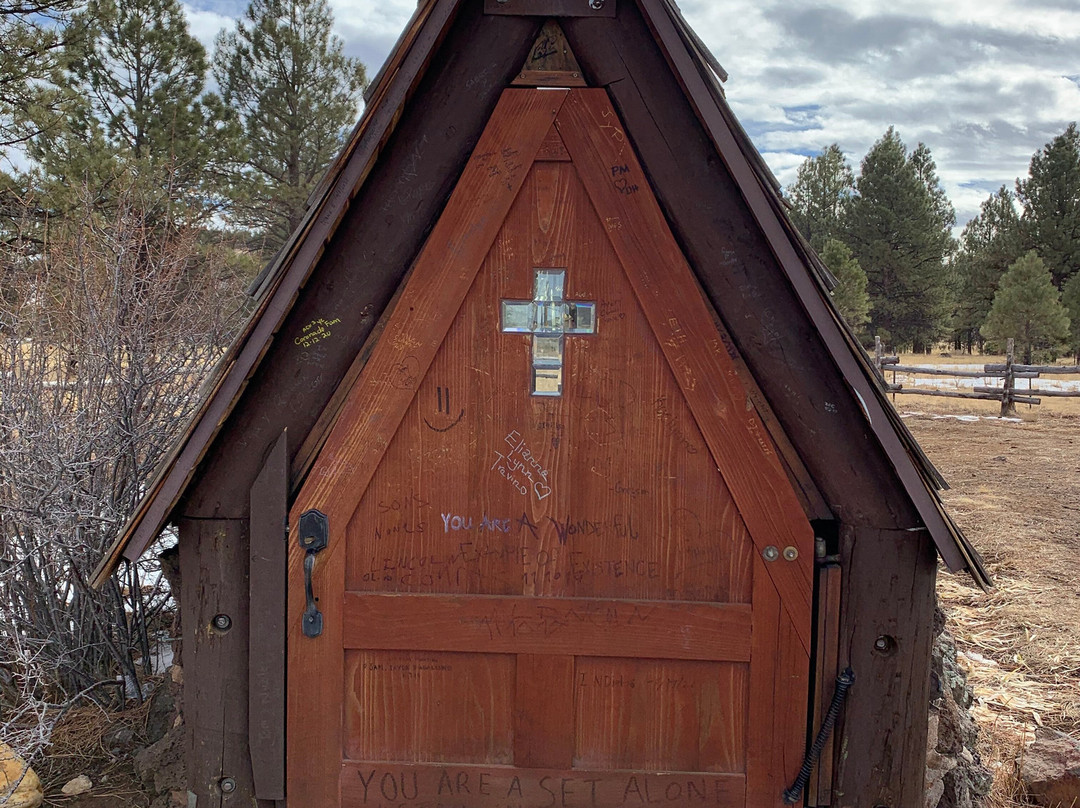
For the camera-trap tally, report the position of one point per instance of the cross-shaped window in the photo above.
(549, 318)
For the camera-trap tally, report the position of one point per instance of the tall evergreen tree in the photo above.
(822, 187)
(850, 292)
(32, 38)
(1027, 307)
(1051, 200)
(297, 94)
(1070, 298)
(989, 244)
(898, 227)
(141, 75)
(926, 170)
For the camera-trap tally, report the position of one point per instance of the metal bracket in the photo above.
(551, 8)
(314, 538)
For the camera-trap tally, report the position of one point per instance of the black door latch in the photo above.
(314, 537)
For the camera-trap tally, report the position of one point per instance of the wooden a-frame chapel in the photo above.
(545, 472)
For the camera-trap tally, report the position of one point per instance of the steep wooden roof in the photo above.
(668, 58)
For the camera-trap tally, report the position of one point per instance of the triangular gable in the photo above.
(399, 79)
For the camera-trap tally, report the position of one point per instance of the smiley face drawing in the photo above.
(443, 422)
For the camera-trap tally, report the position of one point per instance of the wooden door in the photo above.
(565, 566)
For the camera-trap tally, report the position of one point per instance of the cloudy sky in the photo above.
(984, 83)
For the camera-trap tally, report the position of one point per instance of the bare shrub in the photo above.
(108, 324)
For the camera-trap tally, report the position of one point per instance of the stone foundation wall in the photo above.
(955, 776)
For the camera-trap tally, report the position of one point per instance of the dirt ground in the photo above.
(1016, 493)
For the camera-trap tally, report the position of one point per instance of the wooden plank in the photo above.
(373, 412)
(549, 8)
(680, 318)
(1035, 391)
(544, 712)
(266, 634)
(387, 785)
(409, 705)
(826, 667)
(779, 681)
(213, 558)
(806, 489)
(882, 729)
(557, 626)
(661, 715)
(735, 263)
(549, 78)
(980, 396)
(961, 374)
(1048, 370)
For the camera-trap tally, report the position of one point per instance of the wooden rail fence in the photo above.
(1008, 394)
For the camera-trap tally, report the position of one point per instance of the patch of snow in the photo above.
(968, 419)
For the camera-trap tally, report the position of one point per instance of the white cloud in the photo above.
(206, 23)
(984, 83)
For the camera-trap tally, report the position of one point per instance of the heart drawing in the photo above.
(542, 491)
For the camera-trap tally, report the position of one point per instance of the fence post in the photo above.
(1008, 406)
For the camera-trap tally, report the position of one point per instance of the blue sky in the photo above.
(984, 83)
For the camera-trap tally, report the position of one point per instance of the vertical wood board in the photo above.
(544, 712)
(826, 668)
(267, 585)
(881, 735)
(216, 662)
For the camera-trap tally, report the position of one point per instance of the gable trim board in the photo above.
(404, 70)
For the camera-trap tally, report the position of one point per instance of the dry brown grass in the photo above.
(80, 746)
(1015, 494)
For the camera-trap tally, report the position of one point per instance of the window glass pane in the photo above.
(547, 351)
(581, 318)
(547, 381)
(550, 283)
(517, 316)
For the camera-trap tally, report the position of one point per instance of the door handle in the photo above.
(314, 538)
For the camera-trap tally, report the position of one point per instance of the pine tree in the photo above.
(296, 93)
(1028, 308)
(822, 187)
(1070, 298)
(926, 170)
(850, 293)
(32, 38)
(989, 244)
(140, 75)
(898, 227)
(1051, 200)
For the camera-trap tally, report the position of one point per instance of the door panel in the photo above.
(405, 706)
(555, 596)
(660, 715)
